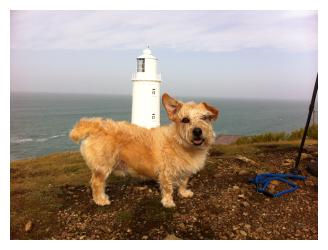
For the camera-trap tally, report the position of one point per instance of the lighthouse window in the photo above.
(153, 116)
(153, 91)
(141, 65)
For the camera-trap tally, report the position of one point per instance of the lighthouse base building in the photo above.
(146, 92)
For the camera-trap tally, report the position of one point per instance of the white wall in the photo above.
(145, 104)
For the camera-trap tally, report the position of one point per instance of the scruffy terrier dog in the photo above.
(169, 154)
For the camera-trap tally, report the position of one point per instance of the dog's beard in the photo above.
(190, 141)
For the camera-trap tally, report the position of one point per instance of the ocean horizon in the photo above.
(40, 122)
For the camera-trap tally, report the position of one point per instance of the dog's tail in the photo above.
(85, 127)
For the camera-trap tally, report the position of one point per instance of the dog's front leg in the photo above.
(167, 191)
(183, 191)
(98, 182)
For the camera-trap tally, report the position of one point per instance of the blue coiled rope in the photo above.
(263, 180)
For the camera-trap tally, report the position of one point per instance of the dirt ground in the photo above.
(51, 199)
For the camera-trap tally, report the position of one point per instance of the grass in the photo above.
(280, 136)
(35, 187)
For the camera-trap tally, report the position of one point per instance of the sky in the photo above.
(232, 54)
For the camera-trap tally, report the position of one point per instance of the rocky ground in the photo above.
(226, 139)
(51, 199)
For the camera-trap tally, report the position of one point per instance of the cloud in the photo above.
(212, 31)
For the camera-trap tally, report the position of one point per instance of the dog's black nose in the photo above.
(197, 132)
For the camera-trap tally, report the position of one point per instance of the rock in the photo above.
(245, 203)
(288, 162)
(246, 160)
(276, 232)
(243, 172)
(247, 226)
(242, 196)
(145, 237)
(298, 233)
(305, 156)
(217, 175)
(28, 226)
(243, 233)
(182, 226)
(259, 229)
(176, 214)
(308, 182)
(309, 149)
(171, 237)
(141, 188)
(128, 230)
(235, 187)
(82, 226)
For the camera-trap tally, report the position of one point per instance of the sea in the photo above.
(40, 122)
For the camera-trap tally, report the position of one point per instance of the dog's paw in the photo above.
(102, 200)
(168, 203)
(187, 193)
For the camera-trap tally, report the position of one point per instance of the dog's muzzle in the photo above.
(197, 137)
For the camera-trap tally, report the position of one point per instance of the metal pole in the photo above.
(295, 170)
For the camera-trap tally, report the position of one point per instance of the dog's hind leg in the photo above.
(183, 191)
(100, 167)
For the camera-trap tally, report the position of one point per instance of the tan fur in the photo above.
(166, 154)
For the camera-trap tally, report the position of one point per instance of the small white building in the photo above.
(146, 91)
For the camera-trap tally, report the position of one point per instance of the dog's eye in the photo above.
(185, 120)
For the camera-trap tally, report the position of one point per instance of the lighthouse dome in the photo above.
(146, 53)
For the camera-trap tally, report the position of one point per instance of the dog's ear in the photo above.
(171, 105)
(214, 112)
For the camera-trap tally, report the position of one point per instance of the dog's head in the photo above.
(193, 121)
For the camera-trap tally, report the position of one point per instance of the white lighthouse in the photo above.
(146, 91)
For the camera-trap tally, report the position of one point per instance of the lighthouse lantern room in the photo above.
(146, 91)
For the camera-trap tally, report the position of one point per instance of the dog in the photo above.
(169, 154)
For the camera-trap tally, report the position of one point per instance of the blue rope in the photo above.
(263, 180)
